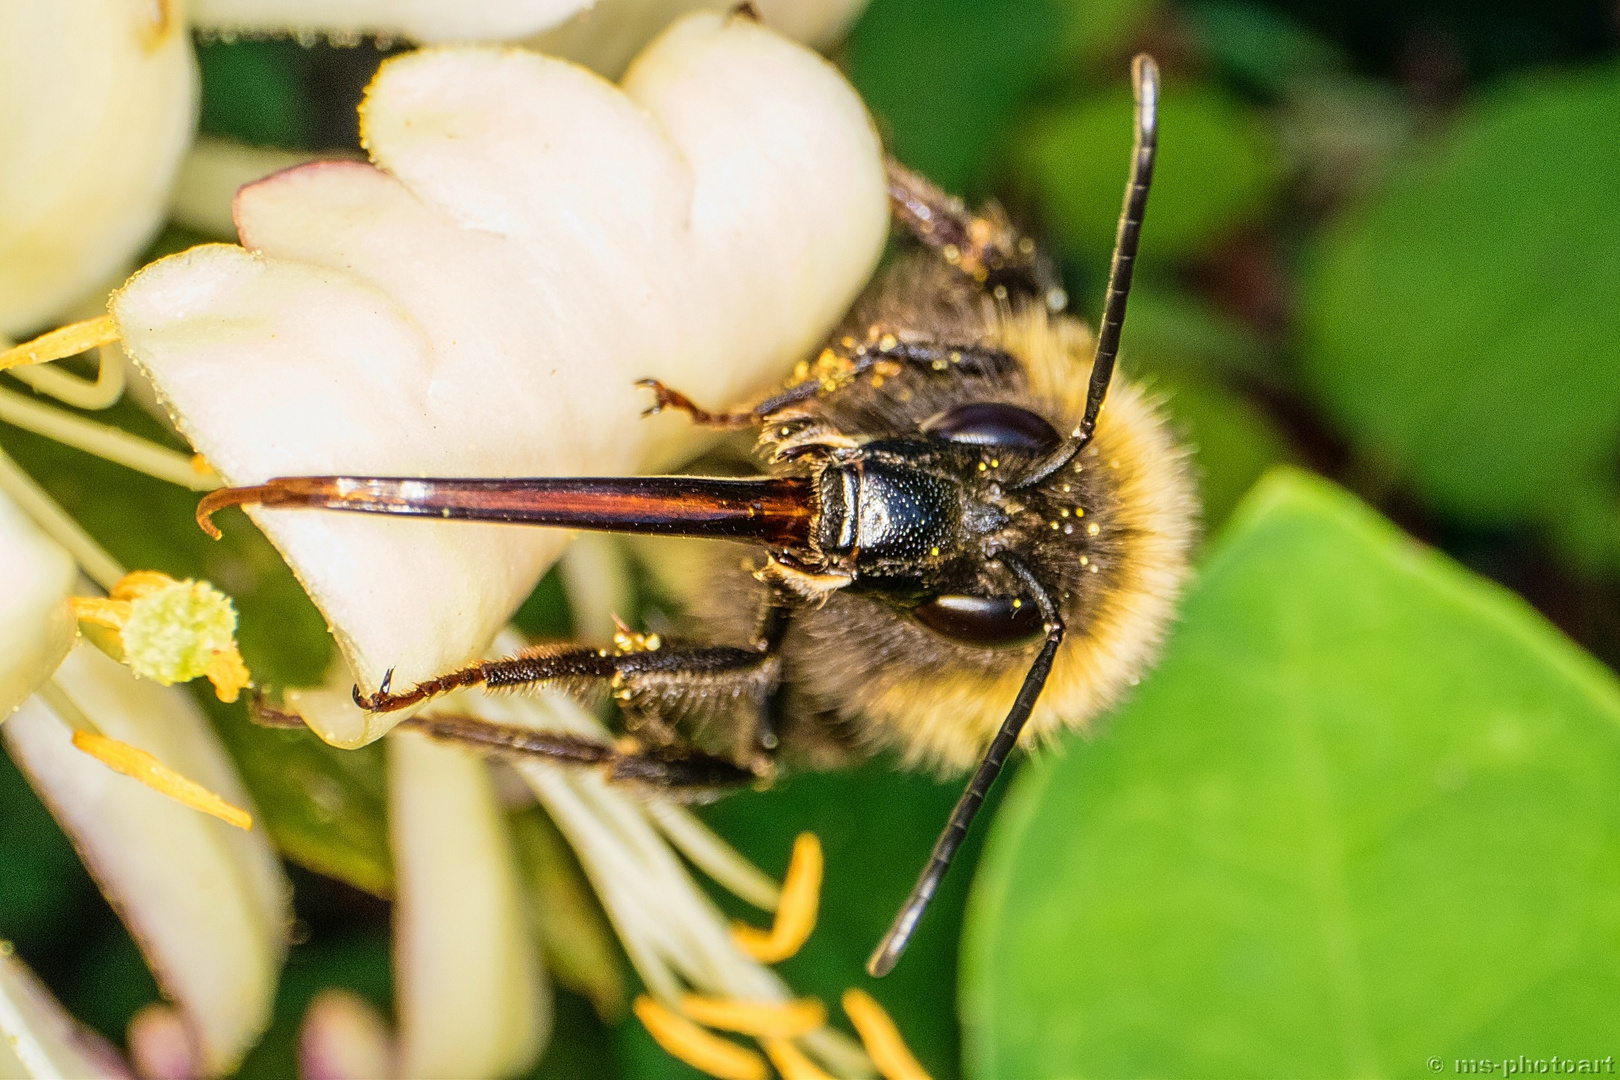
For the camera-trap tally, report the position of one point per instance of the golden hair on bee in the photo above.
(961, 549)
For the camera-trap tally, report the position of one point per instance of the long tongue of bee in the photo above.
(767, 510)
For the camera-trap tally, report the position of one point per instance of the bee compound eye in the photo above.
(987, 621)
(994, 424)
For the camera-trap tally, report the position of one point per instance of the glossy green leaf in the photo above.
(1464, 326)
(1364, 817)
(1217, 168)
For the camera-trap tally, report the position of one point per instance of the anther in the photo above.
(700, 1049)
(762, 1020)
(795, 914)
(889, 1051)
(139, 765)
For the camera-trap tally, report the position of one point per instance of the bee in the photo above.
(956, 547)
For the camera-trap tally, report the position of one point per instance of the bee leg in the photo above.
(676, 766)
(983, 245)
(772, 630)
(666, 398)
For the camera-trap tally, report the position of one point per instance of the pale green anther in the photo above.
(175, 633)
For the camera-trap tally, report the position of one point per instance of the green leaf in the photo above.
(944, 77)
(1462, 327)
(1363, 816)
(1232, 442)
(256, 91)
(1217, 168)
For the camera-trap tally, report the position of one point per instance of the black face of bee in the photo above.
(917, 522)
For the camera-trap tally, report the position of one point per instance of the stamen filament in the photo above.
(99, 393)
(795, 915)
(790, 1061)
(882, 1038)
(713, 855)
(102, 568)
(700, 1049)
(776, 1019)
(139, 765)
(104, 441)
(62, 342)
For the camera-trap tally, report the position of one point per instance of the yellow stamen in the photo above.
(791, 1062)
(61, 343)
(795, 915)
(777, 1020)
(889, 1051)
(139, 765)
(700, 1049)
(100, 611)
(169, 631)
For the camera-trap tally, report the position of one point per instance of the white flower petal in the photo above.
(212, 172)
(606, 36)
(206, 902)
(36, 627)
(470, 992)
(427, 21)
(544, 240)
(38, 1039)
(100, 101)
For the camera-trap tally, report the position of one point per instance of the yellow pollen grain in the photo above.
(762, 1020)
(790, 1061)
(934, 552)
(1054, 525)
(983, 467)
(795, 913)
(995, 463)
(1092, 529)
(889, 1051)
(1064, 512)
(70, 340)
(1017, 603)
(700, 1049)
(1084, 561)
(139, 765)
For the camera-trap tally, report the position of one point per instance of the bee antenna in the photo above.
(1145, 79)
(905, 922)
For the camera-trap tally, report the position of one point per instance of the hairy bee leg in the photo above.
(677, 766)
(984, 245)
(667, 398)
(774, 618)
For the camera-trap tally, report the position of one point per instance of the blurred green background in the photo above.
(1366, 813)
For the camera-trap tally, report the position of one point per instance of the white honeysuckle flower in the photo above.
(36, 625)
(426, 21)
(100, 103)
(530, 242)
(206, 903)
(470, 995)
(606, 36)
(38, 1039)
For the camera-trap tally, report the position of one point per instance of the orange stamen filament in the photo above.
(139, 765)
(889, 1051)
(795, 915)
(774, 1020)
(700, 1049)
(61, 343)
(790, 1061)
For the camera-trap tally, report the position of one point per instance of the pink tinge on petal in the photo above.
(161, 1046)
(344, 1038)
